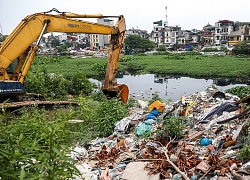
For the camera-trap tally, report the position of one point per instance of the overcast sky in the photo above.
(192, 14)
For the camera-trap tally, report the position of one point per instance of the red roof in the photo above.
(225, 21)
(206, 31)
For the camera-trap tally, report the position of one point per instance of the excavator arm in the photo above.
(22, 44)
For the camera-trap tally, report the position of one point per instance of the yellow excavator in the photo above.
(22, 45)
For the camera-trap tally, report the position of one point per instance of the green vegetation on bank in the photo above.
(185, 64)
(37, 144)
(196, 65)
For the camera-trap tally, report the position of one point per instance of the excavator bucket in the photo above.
(120, 90)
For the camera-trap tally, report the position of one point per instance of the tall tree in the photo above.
(137, 44)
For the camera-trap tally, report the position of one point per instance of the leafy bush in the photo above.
(57, 86)
(210, 50)
(224, 48)
(34, 148)
(100, 68)
(80, 85)
(126, 59)
(107, 114)
(161, 48)
(242, 47)
(173, 126)
(98, 96)
(244, 153)
(132, 102)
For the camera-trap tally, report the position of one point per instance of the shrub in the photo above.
(210, 50)
(57, 86)
(161, 48)
(80, 85)
(107, 114)
(173, 126)
(34, 148)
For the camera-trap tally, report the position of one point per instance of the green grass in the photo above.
(173, 64)
(204, 66)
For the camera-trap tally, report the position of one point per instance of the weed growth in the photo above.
(173, 126)
(107, 114)
(240, 91)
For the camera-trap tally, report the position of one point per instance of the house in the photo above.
(207, 37)
(241, 33)
(139, 32)
(222, 29)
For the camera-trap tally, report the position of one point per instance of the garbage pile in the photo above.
(214, 127)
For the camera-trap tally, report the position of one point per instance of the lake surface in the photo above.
(171, 88)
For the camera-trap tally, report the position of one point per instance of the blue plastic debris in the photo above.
(205, 141)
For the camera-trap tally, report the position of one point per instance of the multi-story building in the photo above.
(240, 33)
(100, 41)
(139, 32)
(94, 41)
(207, 38)
(157, 35)
(104, 39)
(222, 29)
(165, 35)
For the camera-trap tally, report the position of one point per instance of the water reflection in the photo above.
(167, 87)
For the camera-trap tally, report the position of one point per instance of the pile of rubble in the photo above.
(207, 149)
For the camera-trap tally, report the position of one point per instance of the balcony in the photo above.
(223, 41)
(232, 43)
(224, 33)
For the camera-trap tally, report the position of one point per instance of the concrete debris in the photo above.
(136, 171)
(216, 127)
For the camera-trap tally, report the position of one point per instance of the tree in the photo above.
(242, 47)
(55, 42)
(137, 44)
(2, 37)
(63, 48)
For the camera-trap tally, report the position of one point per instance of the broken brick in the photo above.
(195, 135)
(203, 166)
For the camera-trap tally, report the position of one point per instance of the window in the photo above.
(218, 30)
(217, 37)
